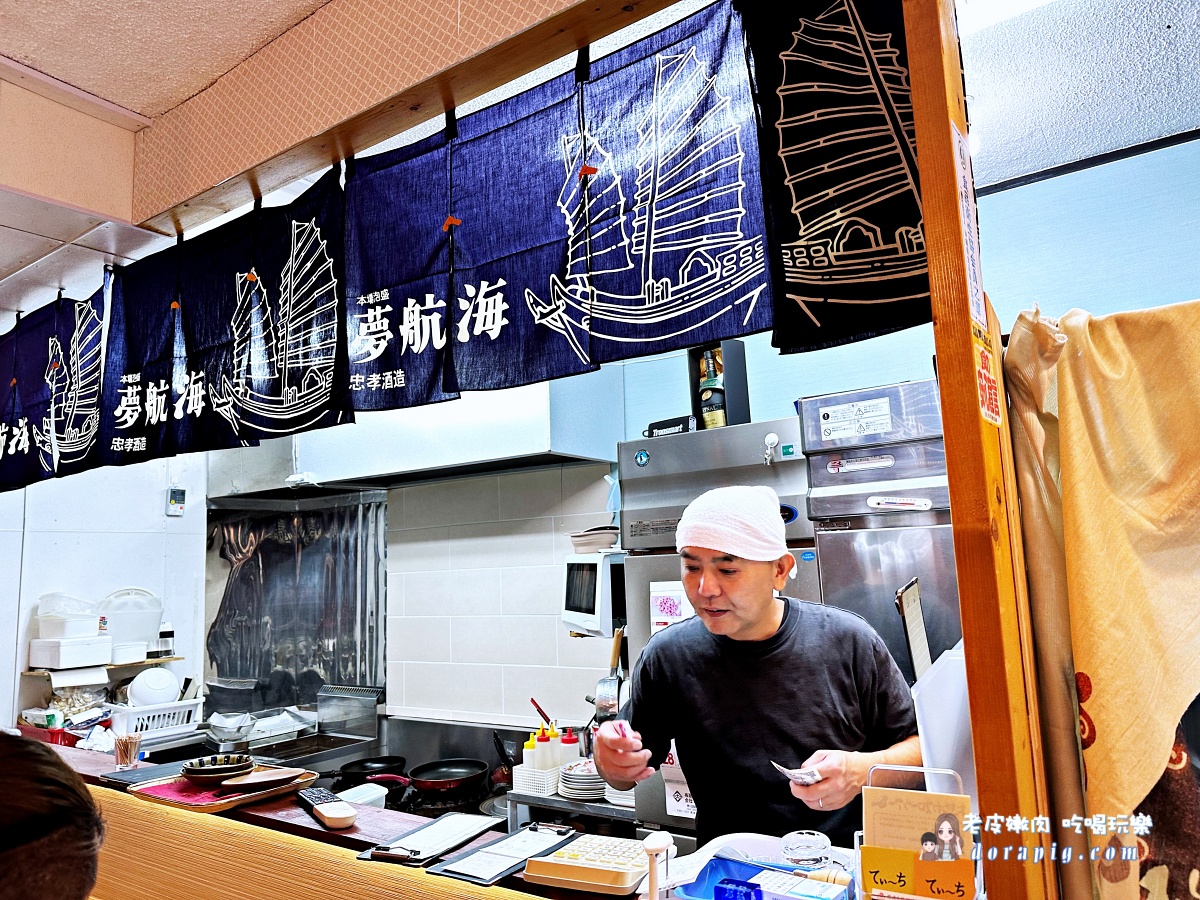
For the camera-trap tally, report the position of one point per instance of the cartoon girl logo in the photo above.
(948, 845)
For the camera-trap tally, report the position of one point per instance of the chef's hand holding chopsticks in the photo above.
(842, 776)
(619, 756)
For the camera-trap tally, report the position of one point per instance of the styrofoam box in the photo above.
(126, 626)
(54, 626)
(131, 652)
(366, 794)
(69, 653)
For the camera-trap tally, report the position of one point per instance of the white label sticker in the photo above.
(861, 463)
(847, 420)
(678, 794)
(899, 503)
(970, 226)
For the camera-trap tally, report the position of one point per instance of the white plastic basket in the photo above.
(158, 720)
(539, 782)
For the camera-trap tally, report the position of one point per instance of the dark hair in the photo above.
(929, 838)
(50, 827)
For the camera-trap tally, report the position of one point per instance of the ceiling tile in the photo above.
(77, 270)
(127, 241)
(44, 218)
(18, 249)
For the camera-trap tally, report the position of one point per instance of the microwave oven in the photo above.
(593, 601)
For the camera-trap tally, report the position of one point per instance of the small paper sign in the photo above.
(940, 878)
(888, 869)
(987, 376)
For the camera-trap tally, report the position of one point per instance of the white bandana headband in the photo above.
(740, 521)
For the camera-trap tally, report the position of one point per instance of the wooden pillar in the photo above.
(993, 598)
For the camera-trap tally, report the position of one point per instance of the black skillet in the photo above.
(442, 775)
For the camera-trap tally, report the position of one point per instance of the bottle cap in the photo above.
(570, 737)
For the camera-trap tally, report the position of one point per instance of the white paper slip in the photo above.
(443, 834)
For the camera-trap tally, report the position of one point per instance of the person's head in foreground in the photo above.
(734, 557)
(50, 828)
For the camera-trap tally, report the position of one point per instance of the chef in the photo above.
(755, 677)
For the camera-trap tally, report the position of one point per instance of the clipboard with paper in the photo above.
(424, 844)
(506, 855)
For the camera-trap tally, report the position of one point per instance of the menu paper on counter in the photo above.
(493, 861)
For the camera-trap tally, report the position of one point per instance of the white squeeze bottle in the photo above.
(570, 746)
(529, 756)
(544, 758)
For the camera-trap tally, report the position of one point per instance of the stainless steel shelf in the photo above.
(601, 808)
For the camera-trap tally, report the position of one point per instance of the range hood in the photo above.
(574, 419)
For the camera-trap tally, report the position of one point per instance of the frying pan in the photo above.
(357, 772)
(442, 775)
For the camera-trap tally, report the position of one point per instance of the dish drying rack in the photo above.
(158, 720)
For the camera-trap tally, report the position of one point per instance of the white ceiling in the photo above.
(1049, 83)
(1073, 79)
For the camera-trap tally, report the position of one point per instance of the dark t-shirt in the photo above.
(824, 680)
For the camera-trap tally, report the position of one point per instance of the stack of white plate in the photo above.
(619, 798)
(578, 780)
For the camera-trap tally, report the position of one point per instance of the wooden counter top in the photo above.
(283, 815)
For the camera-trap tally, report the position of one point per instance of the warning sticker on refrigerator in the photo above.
(860, 463)
(863, 417)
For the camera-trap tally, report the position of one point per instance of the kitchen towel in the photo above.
(840, 170)
(398, 291)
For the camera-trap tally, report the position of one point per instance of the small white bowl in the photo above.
(593, 539)
(154, 686)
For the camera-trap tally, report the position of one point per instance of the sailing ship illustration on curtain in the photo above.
(687, 255)
(848, 148)
(283, 354)
(69, 427)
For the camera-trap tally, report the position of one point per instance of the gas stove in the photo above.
(432, 804)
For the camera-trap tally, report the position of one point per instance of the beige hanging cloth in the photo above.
(1129, 451)
(1031, 378)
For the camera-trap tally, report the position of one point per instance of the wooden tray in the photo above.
(220, 804)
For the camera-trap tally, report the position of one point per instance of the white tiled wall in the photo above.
(474, 583)
(89, 535)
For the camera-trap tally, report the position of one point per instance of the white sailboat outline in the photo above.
(72, 420)
(283, 359)
(866, 146)
(676, 203)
